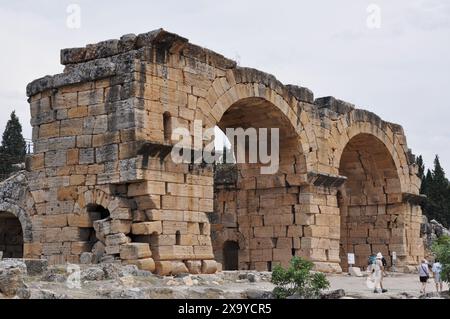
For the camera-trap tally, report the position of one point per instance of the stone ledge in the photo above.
(335, 105)
(415, 199)
(326, 180)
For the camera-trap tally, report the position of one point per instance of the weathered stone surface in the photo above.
(209, 266)
(11, 280)
(102, 168)
(92, 274)
(134, 251)
(35, 267)
(147, 228)
(147, 264)
(86, 258)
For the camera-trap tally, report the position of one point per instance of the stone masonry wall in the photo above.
(102, 180)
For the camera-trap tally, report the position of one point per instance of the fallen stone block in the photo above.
(178, 267)
(194, 266)
(163, 268)
(135, 251)
(11, 280)
(147, 264)
(209, 266)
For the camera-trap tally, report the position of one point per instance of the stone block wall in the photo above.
(102, 180)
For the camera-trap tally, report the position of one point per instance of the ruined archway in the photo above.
(366, 199)
(261, 207)
(111, 149)
(11, 236)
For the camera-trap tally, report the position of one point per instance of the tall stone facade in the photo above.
(101, 178)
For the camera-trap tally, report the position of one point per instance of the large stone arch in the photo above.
(393, 140)
(138, 89)
(16, 199)
(248, 207)
(242, 83)
(22, 216)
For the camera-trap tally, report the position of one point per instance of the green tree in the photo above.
(441, 249)
(13, 148)
(435, 186)
(298, 279)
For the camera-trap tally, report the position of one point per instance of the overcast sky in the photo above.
(401, 70)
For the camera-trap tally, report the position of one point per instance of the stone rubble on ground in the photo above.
(114, 280)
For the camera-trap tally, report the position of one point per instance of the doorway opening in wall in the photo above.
(11, 236)
(231, 255)
(96, 212)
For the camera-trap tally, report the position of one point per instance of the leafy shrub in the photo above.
(298, 279)
(441, 249)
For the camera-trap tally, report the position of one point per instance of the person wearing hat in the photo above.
(379, 271)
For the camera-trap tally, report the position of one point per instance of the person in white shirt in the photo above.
(437, 269)
(424, 275)
(378, 274)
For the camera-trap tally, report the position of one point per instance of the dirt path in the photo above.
(394, 283)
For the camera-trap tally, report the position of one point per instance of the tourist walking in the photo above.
(424, 275)
(379, 274)
(437, 269)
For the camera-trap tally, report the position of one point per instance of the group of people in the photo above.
(377, 267)
(424, 274)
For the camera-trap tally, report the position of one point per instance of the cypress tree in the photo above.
(13, 148)
(436, 187)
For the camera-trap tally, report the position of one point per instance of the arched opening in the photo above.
(230, 255)
(257, 204)
(11, 236)
(97, 211)
(369, 201)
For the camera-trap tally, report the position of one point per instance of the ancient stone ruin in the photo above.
(101, 184)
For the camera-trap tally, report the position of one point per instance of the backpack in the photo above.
(383, 260)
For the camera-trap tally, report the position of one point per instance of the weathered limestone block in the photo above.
(179, 267)
(85, 220)
(135, 251)
(11, 280)
(209, 266)
(194, 266)
(163, 268)
(117, 239)
(146, 228)
(147, 264)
